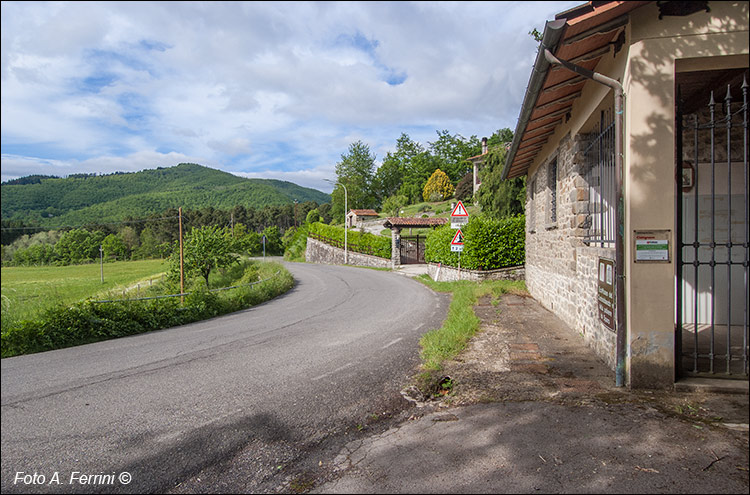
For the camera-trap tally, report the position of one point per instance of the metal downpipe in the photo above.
(621, 347)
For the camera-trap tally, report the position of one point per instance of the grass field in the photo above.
(27, 291)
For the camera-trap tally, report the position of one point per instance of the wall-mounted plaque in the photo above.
(605, 297)
(652, 246)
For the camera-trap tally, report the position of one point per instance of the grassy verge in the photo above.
(88, 321)
(444, 343)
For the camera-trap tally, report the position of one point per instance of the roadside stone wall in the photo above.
(320, 252)
(450, 274)
(561, 271)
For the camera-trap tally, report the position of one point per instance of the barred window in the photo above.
(599, 168)
(531, 210)
(552, 186)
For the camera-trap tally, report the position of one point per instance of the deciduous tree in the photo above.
(438, 187)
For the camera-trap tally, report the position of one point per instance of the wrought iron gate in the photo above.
(712, 228)
(412, 249)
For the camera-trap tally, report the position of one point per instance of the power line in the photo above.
(60, 227)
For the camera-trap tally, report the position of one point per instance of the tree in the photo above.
(450, 152)
(465, 187)
(78, 245)
(130, 238)
(207, 248)
(246, 241)
(313, 216)
(500, 198)
(438, 187)
(113, 246)
(403, 166)
(392, 206)
(149, 245)
(355, 171)
(274, 245)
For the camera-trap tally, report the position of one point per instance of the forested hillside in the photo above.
(84, 199)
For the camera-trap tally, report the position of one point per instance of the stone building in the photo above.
(659, 285)
(355, 218)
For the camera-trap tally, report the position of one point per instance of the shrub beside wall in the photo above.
(488, 244)
(366, 243)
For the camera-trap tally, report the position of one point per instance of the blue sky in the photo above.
(259, 89)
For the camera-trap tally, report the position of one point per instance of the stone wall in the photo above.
(450, 274)
(320, 252)
(561, 270)
(598, 336)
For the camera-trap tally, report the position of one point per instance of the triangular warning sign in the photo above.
(460, 211)
(458, 239)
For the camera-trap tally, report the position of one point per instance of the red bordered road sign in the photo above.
(459, 216)
(457, 244)
(460, 211)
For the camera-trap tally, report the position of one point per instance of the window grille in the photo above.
(599, 160)
(531, 213)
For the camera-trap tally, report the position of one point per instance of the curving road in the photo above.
(229, 404)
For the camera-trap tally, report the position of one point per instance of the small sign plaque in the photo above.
(457, 244)
(605, 297)
(652, 245)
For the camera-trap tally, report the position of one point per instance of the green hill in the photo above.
(109, 198)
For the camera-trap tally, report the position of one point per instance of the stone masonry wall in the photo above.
(450, 274)
(561, 271)
(320, 252)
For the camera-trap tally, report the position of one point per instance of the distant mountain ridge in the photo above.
(80, 199)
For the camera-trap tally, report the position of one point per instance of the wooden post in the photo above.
(182, 268)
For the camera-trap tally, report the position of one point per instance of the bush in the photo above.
(488, 244)
(376, 245)
(295, 243)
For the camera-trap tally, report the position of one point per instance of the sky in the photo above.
(275, 90)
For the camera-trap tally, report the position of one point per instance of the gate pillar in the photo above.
(395, 247)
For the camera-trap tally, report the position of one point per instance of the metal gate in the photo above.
(412, 249)
(712, 224)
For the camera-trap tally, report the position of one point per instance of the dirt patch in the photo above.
(523, 352)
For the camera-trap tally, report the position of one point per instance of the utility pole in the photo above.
(101, 261)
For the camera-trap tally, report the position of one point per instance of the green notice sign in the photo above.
(652, 246)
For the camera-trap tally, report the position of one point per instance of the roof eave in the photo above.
(553, 32)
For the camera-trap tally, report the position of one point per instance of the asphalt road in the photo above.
(226, 405)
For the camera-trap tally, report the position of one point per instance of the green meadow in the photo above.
(27, 291)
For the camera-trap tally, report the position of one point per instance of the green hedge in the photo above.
(87, 321)
(377, 245)
(488, 244)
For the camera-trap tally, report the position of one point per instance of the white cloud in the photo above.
(273, 88)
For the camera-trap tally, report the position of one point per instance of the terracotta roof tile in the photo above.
(414, 222)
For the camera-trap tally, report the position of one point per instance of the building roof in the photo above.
(364, 213)
(391, 222)
(477, 157)
(582, 35)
